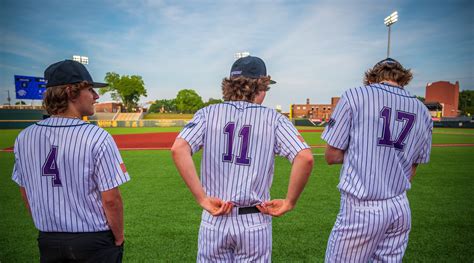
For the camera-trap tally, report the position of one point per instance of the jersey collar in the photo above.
(240, 104)
(61, 122)
(392, 89)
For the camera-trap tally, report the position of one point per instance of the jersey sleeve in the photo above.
(193, 132)
(110, 171)
(338, 127)
(17, 176)
(425, 151)
(288, 141)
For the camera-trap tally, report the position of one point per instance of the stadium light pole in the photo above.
(81, 59)
(388, 21)
(9, 99)
(241, 54)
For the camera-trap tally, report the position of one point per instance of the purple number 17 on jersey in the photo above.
(50, 167)
(386, 139)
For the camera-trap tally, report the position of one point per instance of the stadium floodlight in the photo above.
(391, 19)
(241, 54)
(81, 59)
(388, 21)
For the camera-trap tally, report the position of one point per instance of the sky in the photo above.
(313, 49)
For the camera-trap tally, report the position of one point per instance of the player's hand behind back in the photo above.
(276, 207)
(216, 206)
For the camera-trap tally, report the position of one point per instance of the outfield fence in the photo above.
(139, 123)
(21, 124)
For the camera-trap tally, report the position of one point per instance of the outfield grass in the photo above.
(455, 130)
(162, 219)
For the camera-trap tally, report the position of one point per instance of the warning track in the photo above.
(164, 141)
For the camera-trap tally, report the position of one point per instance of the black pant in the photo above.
(79, 247)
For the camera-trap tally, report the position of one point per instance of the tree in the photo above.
(212, 101)
(20, 103)
(188, 101)
(166, 105)
(422, 99)
(466, 102)
(127, 89)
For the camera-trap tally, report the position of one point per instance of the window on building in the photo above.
(304, 107)
(298, 107)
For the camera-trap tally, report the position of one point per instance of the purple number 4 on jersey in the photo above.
(50, 167)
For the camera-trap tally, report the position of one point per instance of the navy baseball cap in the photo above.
(249, 67)
(68, 72)
(387, 61)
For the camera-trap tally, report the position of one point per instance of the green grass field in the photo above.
(162, 219)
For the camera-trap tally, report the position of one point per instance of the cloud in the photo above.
(314, 49)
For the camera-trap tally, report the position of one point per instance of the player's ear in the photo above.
(70, 94)
(68, 90)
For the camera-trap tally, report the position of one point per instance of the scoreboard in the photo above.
(31, 88)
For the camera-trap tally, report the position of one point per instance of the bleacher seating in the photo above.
(126, 116)
(103, 116)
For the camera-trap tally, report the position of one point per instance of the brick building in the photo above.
(108, 106)
(315, 112)
(446, 94)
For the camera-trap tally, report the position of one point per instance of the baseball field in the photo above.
(162, 219)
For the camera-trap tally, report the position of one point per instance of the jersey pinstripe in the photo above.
(370, 231)
(384, 130)
(63, 164)
(239, 141)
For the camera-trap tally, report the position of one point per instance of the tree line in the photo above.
(186, 101)
(129, 89)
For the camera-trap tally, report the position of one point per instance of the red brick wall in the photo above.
(445, 93)
(314, 111)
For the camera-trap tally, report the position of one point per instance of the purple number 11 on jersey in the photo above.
(244, 133)
(50, 167)
(386, 139)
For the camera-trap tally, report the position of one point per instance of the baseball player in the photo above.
(239, 139)
(69, 172)
(380, 133)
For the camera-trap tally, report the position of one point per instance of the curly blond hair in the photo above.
(243, 89)
(388, 69)
(56, 98)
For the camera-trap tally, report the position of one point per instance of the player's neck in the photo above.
(391, 83)
(69, 113)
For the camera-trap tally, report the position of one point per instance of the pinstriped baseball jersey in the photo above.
(384, 130)
(64, 164)
(239, 140)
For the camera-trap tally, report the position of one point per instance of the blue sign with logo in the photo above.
(29, 88)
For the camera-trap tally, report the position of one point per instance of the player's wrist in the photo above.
(290, 203)
(119, 240)
(201, 200)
